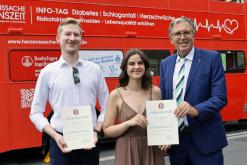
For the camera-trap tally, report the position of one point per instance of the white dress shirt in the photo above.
(188, 62)
(56, 84)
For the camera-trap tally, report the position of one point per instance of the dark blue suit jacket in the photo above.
(206, 91)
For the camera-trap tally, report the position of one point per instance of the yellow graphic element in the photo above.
(47, 158)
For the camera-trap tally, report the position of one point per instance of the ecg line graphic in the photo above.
(229, 25)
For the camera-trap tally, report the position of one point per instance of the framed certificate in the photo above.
(78, 127)
(162, 123)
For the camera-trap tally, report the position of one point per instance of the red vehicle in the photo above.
(27, 44)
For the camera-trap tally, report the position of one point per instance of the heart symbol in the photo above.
(230, 25)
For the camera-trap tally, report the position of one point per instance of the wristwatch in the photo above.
(97, 131)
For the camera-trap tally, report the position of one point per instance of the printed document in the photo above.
(78, 127)
(162, 122)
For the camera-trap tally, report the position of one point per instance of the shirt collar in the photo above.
(62, 62)
(189, 57)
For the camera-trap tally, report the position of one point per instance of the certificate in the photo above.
(162, 125)
(78, 127)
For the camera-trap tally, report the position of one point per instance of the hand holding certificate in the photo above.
(78, 127)
(162, 123)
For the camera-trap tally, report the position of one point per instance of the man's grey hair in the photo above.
(179, 20)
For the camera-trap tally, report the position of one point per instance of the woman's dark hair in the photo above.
(124, 78)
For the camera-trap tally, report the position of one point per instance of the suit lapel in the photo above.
(194, 68)
(171, 66)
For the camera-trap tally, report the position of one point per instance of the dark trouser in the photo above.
(187, 153)
(76, 157)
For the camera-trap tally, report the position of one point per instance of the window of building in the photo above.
(108, 60)
(155, 57)
(236, 1)
(233, 61)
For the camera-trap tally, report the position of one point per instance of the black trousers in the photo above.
(76, 157)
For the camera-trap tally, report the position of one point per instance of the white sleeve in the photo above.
(103, 95)
(39, 102)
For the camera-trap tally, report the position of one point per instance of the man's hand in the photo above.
(186, 109)
(61, 144)
(95, 140)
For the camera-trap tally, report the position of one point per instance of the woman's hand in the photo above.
(164, 147)
(138, 120)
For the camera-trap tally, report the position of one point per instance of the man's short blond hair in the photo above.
(68, 21)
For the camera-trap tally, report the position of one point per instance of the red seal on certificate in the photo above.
(76, 112)
(161, 105)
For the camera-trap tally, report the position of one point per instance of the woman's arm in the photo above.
(110, 127)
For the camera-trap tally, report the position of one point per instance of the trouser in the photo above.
(187, 153)
(75, 157)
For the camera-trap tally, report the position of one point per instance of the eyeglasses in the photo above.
(76, 75)
(178, 35)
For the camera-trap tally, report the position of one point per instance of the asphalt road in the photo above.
(234, 154)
